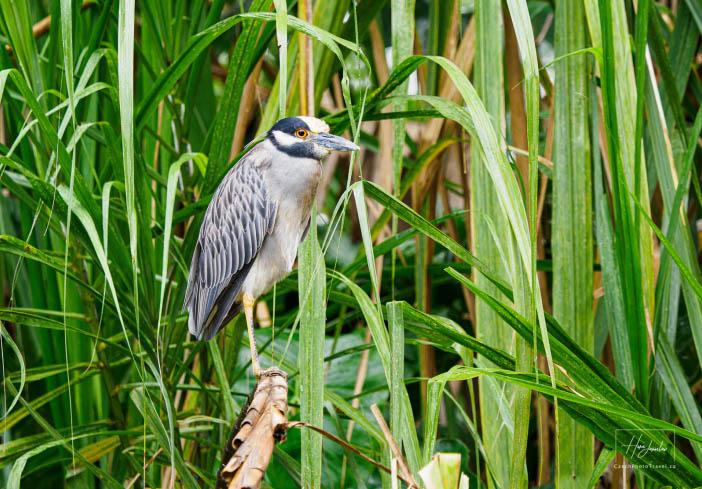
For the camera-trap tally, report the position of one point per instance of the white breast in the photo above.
(292, 184)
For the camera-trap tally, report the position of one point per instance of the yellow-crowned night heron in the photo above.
(257, 218)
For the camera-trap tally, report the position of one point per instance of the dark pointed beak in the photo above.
(333, 143)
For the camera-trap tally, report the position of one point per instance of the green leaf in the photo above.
(396, 326)
(627, 418)
(572, 236)
(4, 335)
(381, 339)
(142, 401)
(312, 300)
(603, 461)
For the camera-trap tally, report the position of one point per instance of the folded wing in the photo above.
(236, 223)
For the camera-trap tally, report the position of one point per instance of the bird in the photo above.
(254, 223)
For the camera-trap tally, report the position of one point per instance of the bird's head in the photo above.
(306, 137)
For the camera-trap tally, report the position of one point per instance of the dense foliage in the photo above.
(509, 268)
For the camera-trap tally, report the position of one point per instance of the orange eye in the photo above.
(301, 133)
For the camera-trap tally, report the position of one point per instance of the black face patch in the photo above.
(297, 150)
(290, 125)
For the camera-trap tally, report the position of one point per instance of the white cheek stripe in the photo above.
(285, 139)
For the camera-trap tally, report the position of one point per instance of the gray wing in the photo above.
(236, 223)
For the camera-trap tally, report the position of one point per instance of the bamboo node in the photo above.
(262, 423)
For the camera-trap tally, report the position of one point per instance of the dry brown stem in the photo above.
(410, 482)
(261, 424)
(405, 472)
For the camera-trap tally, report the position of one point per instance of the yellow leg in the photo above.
(248, 310)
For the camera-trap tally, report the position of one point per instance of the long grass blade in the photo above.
(312, 295)
(572, 239)
(528, 294)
